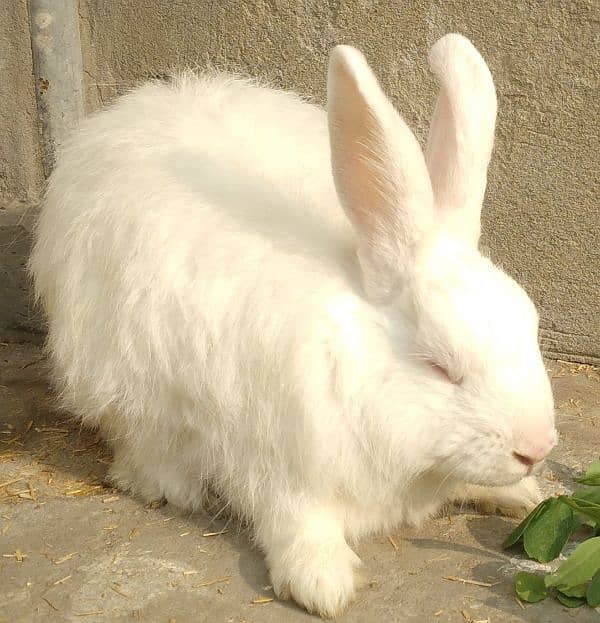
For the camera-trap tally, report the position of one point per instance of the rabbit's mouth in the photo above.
(524, 460)
(532, 467)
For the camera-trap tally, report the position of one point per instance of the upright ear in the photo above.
(379, 171)
(461, 134)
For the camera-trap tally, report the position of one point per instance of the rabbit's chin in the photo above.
(492, 471)
(501, 479)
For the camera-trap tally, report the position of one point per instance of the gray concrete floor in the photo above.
(72, 549)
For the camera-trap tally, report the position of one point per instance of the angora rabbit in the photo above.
(287, 306)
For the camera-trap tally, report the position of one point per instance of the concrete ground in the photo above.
(72, 549)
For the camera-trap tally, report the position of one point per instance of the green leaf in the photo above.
(592, 476)
(588, 495)
(579, 568)
(570, 602)
(593, 481)
(518, 532)
(590, 523)
(548, 532)
(583, 506)
(593, 591)
(575, 591)
(575, 524)
(530, 587)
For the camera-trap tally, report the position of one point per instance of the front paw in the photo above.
(516, 500)
(317, 576)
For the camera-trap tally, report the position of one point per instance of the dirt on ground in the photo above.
(74, 549)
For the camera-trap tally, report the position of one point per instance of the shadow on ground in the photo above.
(75, 549)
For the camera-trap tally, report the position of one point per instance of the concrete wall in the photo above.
(540, 219)
(21, 173)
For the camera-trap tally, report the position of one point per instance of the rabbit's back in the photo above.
(215, 145)
(190, 235)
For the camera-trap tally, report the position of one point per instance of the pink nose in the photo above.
(533, 448)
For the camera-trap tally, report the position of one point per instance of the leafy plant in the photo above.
(530, 587)
(592, 476)
(544, 534)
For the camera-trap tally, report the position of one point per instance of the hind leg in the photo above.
(513, 501)
(154, 475)
(128, 475)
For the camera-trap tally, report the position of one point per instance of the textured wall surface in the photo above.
(540, 220)
(20, 158)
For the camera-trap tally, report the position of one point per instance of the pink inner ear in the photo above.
(378, 167)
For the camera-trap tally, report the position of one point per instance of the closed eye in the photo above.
(443, 373)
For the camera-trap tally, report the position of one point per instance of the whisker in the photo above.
(441, 484)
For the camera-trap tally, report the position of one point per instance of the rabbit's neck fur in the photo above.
(403, 476)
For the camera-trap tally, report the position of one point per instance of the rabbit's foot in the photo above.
(128, 477)
(152, 479)
(513, 500)
(314, 567)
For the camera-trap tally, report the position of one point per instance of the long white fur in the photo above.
(207, 312)
(461, 135)
(379, 171)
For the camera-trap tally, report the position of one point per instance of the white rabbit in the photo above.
(287, 306)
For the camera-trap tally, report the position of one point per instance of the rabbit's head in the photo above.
(417, 220)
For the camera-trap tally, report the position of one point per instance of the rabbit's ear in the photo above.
(379, 170)
(461, 134)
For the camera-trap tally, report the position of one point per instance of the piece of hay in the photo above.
(225, 578)
(215, 533)
(453, 578)
(59, 561)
